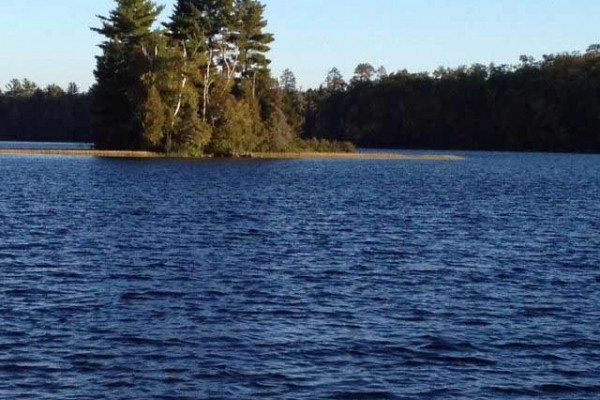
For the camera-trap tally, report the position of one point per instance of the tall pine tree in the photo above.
(252, 42)
(119, 93)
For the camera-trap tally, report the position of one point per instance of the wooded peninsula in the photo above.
(201, 84)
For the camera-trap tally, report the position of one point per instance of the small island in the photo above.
(198, 86)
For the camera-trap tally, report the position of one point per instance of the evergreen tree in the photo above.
(72, 89)
(202, 85)
(288, 81)
(234, 135)
(24, 88)
(293, 106)
(253, 43)
(29, 87)
(593, 49)
(15, 88)
(381, 73)
(363, 72)
(118, 96)
(153, 118)
(30, 114)
(334, 81)
(54, 90)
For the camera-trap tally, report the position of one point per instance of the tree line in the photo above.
(552, 104)
(201, 83)
(31, 113)
(198, 84)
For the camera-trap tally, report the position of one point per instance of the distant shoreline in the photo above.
(261, 156)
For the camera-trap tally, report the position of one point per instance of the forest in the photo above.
(552, 104)
(50, 114)
(201, 83)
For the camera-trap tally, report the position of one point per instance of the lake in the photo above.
(300, 279)
(46, 145)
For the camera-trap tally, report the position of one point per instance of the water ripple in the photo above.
(146, 279)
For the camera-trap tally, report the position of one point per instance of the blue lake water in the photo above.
(300, 279)
(46, 145)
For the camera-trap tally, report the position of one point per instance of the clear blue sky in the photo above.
(49, 41)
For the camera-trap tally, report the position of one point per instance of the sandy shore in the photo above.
(264, 156)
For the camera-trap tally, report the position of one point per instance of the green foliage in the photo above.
(203, 85)
(288, 81)
(25, 88)
(191, 133)
(293, 105)
(381, 73)
(324, 146)
(280, 132)
(551, 104)
(28, 114)
(72, 89)
(187, 23)
(334, 82)
(236, 134)
(593, 49)
(186, 93)
(119, 106)
(54, 90)
(153, 118)
(252, 41)
(129, 23)
(364, 73)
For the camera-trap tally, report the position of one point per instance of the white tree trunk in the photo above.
(183, 83)
(207, 83)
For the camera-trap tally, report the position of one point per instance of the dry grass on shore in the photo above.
(82, 153)
(263, 156)
(358, 156)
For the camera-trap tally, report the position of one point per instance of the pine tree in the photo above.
(54, 90)
(72, 89)
(130, 22)
(334, 82)
(288, 81)
(202, 83)
(118, 96)
(15, 88)
(363, 72)
(29, 87)
(252, 42)
(293, 105)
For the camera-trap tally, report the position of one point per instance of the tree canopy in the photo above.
(51, 114)
(552, 104)
(199, 84)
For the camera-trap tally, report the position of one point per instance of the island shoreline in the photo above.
(257, 156)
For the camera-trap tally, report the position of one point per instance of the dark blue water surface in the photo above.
(329, 279)
(46, 145)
